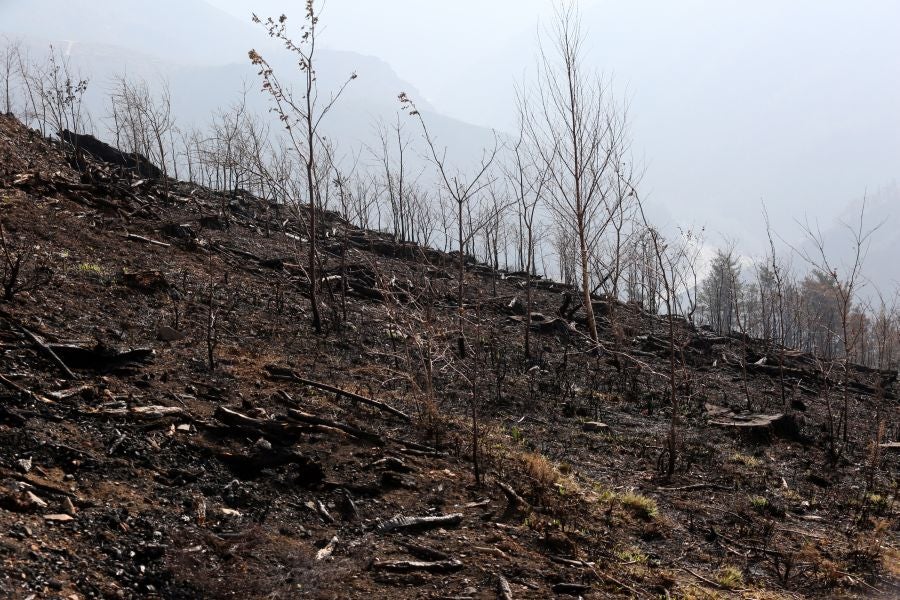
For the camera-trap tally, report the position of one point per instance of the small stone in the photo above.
(59, 518)
(36, 500)
(594, 426)
(169, 334)
(24, 464)
(68, 507)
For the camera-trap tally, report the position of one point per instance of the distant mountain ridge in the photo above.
(205, 77)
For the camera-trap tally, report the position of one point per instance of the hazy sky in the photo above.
(793, 103)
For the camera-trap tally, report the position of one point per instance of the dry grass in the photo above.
(730, 577)
(638, 505)
(539, 469)
(744, 459)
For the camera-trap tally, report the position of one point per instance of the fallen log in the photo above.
(431, 453)
(695, 486)
(145, 412)
(753, 421)
(27, 393)
(406, 566)
(304, 417)
(572, 589)
(413, 445)
(503, 588)
(399, 523)
(514, 499)
(390, 463)
(139, 238)
(70, 392)
(276, 429)
(39, 483)
(571, 562)
(100, 358)
(250, 466)
(424, 552)
(237, 252)
(49, 352)
(277, 372)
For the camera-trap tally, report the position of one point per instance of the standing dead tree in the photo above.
(301, 116)
(580, 134)
(844, 288)
(20, 270)
(8, 59)
(527, 177)
(62, 92)
(463, 191)
(778, 276)
(392, 158)
(142, 123)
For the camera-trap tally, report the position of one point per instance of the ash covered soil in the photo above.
(313, 465)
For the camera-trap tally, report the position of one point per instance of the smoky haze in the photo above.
(732, 104)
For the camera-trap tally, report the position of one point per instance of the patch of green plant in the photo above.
(631, 554)
(604, 495)
(517, 435)
(878, 502)
(91, 270)
(759, 503)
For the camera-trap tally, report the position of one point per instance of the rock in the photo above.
(169, 334)
(21, 502)
(24, 464)
(37, 500)
(594, 426)
(571, 589)
(390, 463)
(181, 231)
(68, 507)
(59, 518)
(147, 281)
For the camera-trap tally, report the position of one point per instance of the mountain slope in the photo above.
(190, 436)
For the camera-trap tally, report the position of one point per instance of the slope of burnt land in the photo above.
(306, 465)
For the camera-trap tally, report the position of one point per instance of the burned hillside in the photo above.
(172, 425)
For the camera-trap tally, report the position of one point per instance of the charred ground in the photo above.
(142, 472)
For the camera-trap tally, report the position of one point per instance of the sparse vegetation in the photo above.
(730, 577)
(335, 367)
(640, 506)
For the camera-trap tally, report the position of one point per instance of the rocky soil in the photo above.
(315, 465)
